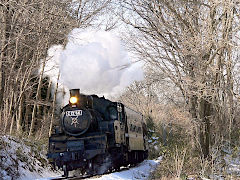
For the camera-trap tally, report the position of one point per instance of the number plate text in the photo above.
(74, 113)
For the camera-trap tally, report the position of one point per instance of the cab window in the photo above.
(113, 114)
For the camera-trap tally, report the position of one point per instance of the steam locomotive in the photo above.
(97, 135)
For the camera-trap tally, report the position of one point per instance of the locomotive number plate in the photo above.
(74, 113)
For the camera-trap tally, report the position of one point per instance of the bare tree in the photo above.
(28, 29)
(194, 44)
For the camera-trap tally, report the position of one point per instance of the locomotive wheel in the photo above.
(117, 168)
(90, 167)
(97, 166)
(101, 164)
(65, 170)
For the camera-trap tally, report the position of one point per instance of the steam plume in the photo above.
(94, 62)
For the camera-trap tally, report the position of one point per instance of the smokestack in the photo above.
(74, 92)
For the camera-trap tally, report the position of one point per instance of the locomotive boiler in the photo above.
(96, 135)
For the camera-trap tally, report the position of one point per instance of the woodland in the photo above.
(190, 94)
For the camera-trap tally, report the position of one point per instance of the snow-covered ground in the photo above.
(24, 160)
(141, 171)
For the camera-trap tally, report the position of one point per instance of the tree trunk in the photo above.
(53, 108)
(204, 115)
(9, 111)
(45, 110)
(37, 98)
(13, 114)
(5, 18)
(19, 117)
(26, 118)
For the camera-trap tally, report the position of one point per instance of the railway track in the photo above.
(87, 176)
(75, 177)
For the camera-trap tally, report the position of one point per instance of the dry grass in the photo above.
(184, 164)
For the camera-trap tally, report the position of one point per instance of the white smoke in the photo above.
(51, 68)
(94, 62)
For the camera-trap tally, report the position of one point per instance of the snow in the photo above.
(226, 164)
(23, 160)
(233, 164)
(142, 171)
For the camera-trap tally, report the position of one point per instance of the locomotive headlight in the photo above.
(73, 100)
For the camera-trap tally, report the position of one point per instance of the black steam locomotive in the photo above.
(97, 135)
